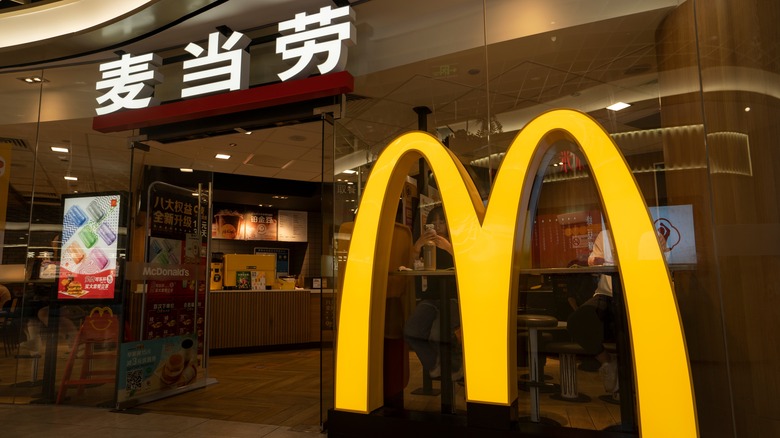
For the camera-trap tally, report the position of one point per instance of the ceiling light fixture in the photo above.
(222, 156)
(33, 79)
(618, 106)
(349, 171)
(60, 149)
(185, 169)
(71, 178)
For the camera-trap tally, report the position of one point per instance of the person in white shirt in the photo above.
(588, 324)
(593, 322)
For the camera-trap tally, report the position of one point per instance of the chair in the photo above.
(9, 326)
(99, 337)
(533, 323)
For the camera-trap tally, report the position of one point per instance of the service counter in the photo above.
(244, 319)
(257, 318)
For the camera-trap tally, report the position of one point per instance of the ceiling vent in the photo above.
(18, 143)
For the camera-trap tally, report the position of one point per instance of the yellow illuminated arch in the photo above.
(483, 240)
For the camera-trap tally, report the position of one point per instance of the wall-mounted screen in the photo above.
(90, 227)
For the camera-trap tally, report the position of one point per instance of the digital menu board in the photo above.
(90, 226)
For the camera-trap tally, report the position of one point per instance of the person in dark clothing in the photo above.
(421, 330)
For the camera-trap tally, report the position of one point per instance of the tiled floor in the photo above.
(43, 421)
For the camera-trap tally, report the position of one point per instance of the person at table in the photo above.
(593, 322)
(5, 296)
(588, 324)
(421, 330)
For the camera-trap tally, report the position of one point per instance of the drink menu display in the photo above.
(89, 247)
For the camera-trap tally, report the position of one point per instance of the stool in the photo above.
(533, 323)
(567, 352)
(524, 381)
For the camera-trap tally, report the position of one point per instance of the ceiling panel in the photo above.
(539, 70)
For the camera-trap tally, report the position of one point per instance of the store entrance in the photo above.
(269, 305)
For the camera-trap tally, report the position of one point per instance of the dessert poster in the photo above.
(89, 247)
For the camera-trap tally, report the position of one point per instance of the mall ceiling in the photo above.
(575, 63)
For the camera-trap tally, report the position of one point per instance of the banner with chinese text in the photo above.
(243, 223)
(154, 366)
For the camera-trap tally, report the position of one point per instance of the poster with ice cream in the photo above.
(89, 246)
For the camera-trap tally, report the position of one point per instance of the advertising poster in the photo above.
(172, 213)
(675, 224)
(561, 240)
(566, 239)
(89, 246)
(151, 366)
(240, 223)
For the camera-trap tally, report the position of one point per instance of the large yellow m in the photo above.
(484, 241)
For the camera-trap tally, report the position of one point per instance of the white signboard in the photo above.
(293, 226)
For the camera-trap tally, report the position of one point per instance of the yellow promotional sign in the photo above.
(484, 240)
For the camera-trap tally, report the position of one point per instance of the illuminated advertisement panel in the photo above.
(90, 227)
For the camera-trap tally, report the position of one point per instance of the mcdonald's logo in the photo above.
(484, 240)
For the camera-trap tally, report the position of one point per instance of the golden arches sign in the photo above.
(483, 240)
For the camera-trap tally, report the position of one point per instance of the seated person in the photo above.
(588, 322)
(421, 330)
(5, 296)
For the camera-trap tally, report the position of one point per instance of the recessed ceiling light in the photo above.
(618, 106)
(71, 178)
(222, 156)
(747, 109)
(185, 169)
(33, 79)
(60, 149)
(349, 171)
